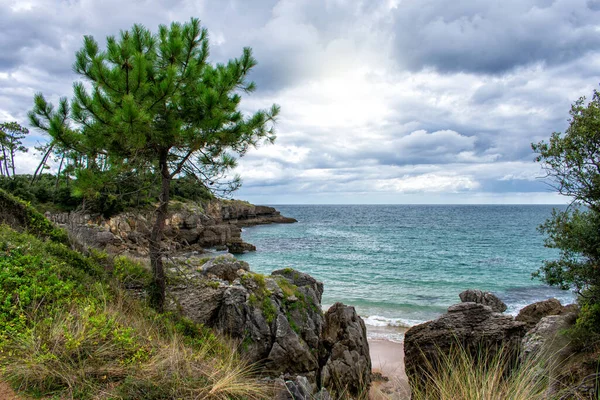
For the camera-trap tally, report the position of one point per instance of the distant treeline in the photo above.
(128, 191)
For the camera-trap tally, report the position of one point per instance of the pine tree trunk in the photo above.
(12, 161)
(58, 173)
(40, 167)
(158, 286)
(5, 161)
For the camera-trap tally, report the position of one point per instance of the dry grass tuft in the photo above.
(460, 375)
(116, 348)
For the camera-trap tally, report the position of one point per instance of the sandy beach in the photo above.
(387, 358)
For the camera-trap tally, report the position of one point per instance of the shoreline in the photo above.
(387, 359)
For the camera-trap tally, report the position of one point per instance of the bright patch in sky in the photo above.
(411, 101)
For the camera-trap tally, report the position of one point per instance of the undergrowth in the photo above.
(463, 375)
(69, 329)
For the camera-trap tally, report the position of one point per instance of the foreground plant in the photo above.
(572, 162)
(462, 375)
(68, 329)
(156, 104)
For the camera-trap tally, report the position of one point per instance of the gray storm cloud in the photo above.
(382, 101)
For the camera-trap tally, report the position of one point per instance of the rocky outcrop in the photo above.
(485, 298)
(471, 325)
(533, 313)
(546, 337)
(571, 371)
(347, 362)
(190, 226)
(225, 267)
(279, 323)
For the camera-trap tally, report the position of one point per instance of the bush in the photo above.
(67, 330)
(572, 162)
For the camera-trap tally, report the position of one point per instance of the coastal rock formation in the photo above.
(533, 313)
(225, 267)
(485, 298)
(546, 338)
(570, 370)
(471, 325)
(190, 226)
(279, 323)
(347, 362)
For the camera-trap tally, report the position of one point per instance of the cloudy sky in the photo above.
(383, 101)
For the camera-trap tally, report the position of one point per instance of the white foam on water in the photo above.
(377, 320)
(396, 337)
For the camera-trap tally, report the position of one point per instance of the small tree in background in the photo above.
(156, 104)
(11, 136)
(572, 162)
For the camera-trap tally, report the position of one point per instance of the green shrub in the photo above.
(20, 215)
(66, 330)
(129, 272)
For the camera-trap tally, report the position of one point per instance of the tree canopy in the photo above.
(572, 162)
(154, 103)
(11, 136)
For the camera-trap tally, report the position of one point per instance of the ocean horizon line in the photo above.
(414, 204)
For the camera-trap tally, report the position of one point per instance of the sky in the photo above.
(382, 101)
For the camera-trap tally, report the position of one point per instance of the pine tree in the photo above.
(11, 136)
(156, 103)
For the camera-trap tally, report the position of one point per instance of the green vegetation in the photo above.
(16, 212)
(268, 309)
(461, 375)
(11, 136)
(68, 329)
(572, 162)
(155, 104)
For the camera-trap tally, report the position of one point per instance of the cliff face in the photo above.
(190, 226)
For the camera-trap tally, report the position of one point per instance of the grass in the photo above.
(69, 329)
(461, 375)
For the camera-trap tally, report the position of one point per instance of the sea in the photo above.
(401, 265)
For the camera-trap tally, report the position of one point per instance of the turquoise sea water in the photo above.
(403, 264)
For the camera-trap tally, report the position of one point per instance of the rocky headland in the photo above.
(276, 319)
(278, 322)
(190, 226)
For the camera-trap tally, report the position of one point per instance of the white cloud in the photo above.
(381, 100)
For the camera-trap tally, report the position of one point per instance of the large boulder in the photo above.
(564, 364)
(533, 313)
(485, 298)
(472, 326)
(347, 362)
(547, 338)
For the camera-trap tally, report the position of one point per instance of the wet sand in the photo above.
(387, 358)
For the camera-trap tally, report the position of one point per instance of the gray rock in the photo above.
(547, 344)
(485, 298)
(546, 338)
(280, 326)
(225, 267)
(471, 325)
(533, 313)
(200, 302)
(297, 388)
(347, 366)
(240, 247)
